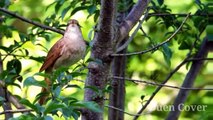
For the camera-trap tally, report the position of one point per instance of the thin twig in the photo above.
(159, 84)
(198, 59)
(15, 48)
(16, 111)
(134, 33)
(178, 14)
(31, 21)
(12, 98)
(118, 109)
(159, 87)
(187, 59)
(157, 46)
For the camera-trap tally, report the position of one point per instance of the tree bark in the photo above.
(104, 44)
(117, 95)
(3, 91)
(101, 50)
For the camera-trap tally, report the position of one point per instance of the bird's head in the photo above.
(73, 23)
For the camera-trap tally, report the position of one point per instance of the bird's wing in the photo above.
(53, 55)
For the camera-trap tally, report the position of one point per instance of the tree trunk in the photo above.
(188, 82)
(3, 91)
(101, 50)
(104, 44)
(117, 95)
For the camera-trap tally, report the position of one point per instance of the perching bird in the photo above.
(65, 52)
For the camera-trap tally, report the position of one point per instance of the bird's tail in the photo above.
(45, 92)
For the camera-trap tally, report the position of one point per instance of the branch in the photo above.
(118, 109)
(30, 21)
(15, 48)
(157, 46)
(179, 14)
(16, 111)
(187, 59)
(12, 98)
(3, 92)
(134, 33)
(199, 59)
(159, 87)
(132, 18)
(189, 80)
(159, 84)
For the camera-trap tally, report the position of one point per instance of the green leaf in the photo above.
(38, 59)
(107, 89)
(25, 117)
(48, 118)
(142, 97)
(197, 2)
(31, 81)
(98, 61)
(160, 2)
(58, 5)
(90, 35)
(22, 37)
(14, 84)
(97, 14)
(78, 9)
(4, 3)
(1, 100)
(185, 44)
(64, 12)
(167, 53)
(53, 106)
(42, 75)
(77, 74)
(67, 112)
(27, 103)
(14, 64)
(91, 10)
(69, 99)
(6, 49)
(70, 112)
(89, 105)
(73, 86)
(95, 89)
(57, 91)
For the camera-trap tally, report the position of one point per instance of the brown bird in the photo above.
(65, 52)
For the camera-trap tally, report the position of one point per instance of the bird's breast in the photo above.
(71, 53)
